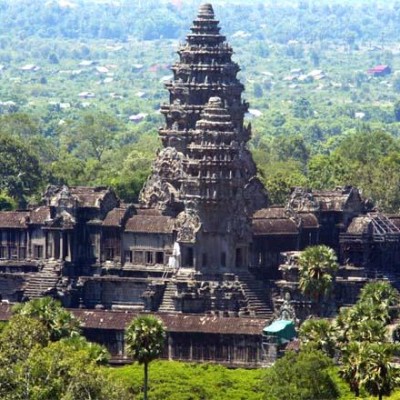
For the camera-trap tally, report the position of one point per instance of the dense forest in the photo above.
(82, 83)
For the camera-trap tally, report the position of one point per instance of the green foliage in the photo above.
(280, 178)
(145, 337)
(318, 265)
(35, 365)
(359, 337)
(302, 108)
(320, 334)
(302, 376)
(174, 380)
(59, 322)
(379, 295)
(369, 366)
(92, 135)
(20, 169)
(20, 336)
(7, 203)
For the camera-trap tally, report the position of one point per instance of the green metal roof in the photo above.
(277, 326)
(283, 329)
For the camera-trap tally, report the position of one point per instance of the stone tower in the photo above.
(204, 176)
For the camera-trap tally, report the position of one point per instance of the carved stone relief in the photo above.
(188, 224)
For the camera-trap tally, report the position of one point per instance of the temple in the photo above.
(203, 249)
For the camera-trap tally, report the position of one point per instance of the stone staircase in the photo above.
(167, 304)
(43, 281)
(259, 301)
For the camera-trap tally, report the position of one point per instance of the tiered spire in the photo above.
(214, 169)
(204, 160)
(205, 70)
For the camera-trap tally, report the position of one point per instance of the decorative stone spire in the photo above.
(204, 70)
(213, 173)
(205, 160)
(206, 11)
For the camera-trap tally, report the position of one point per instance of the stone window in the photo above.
(189, 257)
(109, 253)
(128, 256)
(239, 257)
(3, 252)
(159, 257)
(223, 259)
(13, 252)
(12, 236)
(138, 257)
(22, 253)
(204, 260)
(149, 257)
(37, 251)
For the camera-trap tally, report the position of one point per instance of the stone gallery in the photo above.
(203, 249)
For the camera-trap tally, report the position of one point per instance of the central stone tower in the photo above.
(204, 176)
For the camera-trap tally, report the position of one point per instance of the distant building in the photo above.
(380, 70)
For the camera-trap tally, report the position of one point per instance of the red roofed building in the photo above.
(380, 70)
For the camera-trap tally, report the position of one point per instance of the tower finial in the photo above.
(206, 11)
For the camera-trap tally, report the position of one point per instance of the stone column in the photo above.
(61, 246)
(170, 347)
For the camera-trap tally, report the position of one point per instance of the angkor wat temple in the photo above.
(203, 249)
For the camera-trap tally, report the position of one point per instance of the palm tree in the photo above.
(379, 375)
(320, 334)
(352, 365)
(318, 265)
(378, 292)
(361, 323)
(371, 331)
(379, 297)
(60, 322)
(369, 365)
(145, 341)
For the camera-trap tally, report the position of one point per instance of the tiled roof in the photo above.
(114, 217)
(107, 319)
(309, 221)
(39, 215)
(323, 200)
(360, 225)
(395, 219)
(147, 211)
(14, 219)
(81, 196)
(89, 197)
(276, 220)
(150, 224)
(271, 213)
(119, 320)
(275, 227)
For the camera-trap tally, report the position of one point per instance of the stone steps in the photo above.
(167, 304)
(259, 302)
(42, 281)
